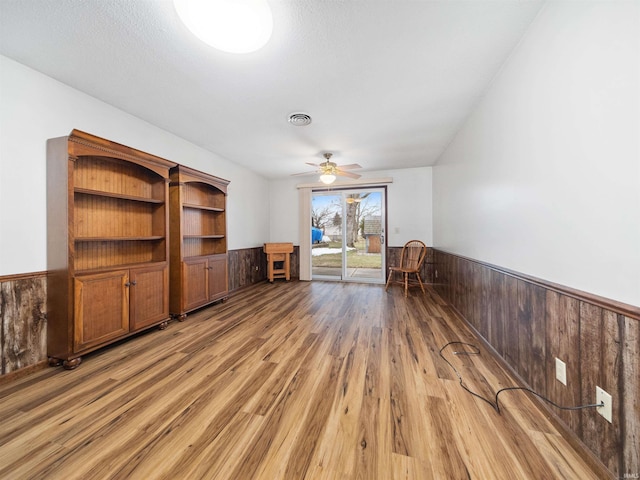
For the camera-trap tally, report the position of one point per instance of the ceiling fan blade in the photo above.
(329, 167)
(347, 174)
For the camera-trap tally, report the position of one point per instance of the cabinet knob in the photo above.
(134, 283)
(127, 284)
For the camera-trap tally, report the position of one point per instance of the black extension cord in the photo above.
(495, 404)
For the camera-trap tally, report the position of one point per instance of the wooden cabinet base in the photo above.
(69, 364)
(54, 362)
(72, 363)
(181, 317)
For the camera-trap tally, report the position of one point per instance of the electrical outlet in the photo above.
(561, 371)
(604, 397)
(436, 273)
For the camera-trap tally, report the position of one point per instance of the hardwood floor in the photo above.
(284, 381)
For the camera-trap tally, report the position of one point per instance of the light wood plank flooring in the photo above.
(293, 380)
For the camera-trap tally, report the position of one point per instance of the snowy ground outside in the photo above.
(324, 251)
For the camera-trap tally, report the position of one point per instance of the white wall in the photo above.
(544, 178)
(34, 108)
(409, 207)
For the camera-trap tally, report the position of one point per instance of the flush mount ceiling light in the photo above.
(234, 26)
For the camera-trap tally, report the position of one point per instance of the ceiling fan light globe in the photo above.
(327, 178)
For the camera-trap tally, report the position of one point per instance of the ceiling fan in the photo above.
(328, 170)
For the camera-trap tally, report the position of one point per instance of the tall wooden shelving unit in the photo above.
(108, 244)
(199, 273)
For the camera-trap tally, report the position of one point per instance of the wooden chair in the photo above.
(411, 259)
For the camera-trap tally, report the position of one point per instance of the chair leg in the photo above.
(406, 284)
(420, 282)
(388, 280)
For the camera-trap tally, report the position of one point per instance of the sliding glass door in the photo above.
(348, 235)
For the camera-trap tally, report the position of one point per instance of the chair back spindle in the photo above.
(412, 255)
(411, 259)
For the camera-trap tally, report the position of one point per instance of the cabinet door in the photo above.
(101, 308)
(194, 281)
(149, 296)
(218, 286)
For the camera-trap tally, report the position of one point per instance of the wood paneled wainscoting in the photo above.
(426, 271)
(530, 323)
(23, 335)
(248, 266)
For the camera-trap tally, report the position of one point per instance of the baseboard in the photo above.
(23, 372)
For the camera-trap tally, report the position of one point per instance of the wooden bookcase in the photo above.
(198, 236)
(108, 244)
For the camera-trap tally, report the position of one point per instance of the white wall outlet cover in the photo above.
(561, 371)
(604, 397)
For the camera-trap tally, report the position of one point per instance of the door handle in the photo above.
(381, 239)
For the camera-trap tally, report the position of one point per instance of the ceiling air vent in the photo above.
(299, 119)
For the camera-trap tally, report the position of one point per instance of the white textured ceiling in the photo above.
(387, 83)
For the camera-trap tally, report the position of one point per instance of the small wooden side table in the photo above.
(278, 252)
